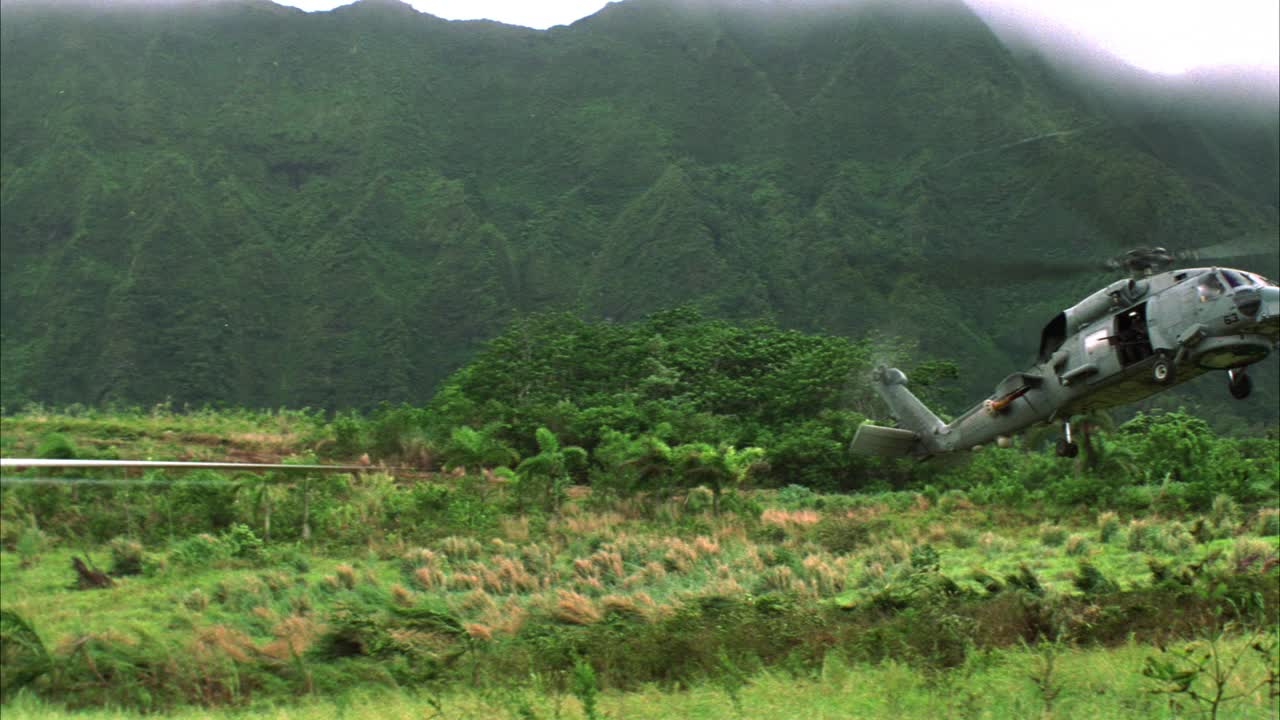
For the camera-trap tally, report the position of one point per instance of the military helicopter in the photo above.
(1134, 338)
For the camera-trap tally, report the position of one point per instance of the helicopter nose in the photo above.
(1268, 317)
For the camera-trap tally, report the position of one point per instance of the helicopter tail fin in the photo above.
(883, 441)
(918, 422)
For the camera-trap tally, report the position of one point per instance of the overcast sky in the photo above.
(1165, 36)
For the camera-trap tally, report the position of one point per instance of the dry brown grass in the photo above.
(790, 519)
(219, 641)
(825, 576)
(597, 524)
(600, 565)
(867, 512)
(421, 557)
(731, 532)
(1250, 554)
(478, 602)
(293, 636)
(402, 595)
(461, 548)
(515, 529)
(507, 618)
(346, 575)
(277, 580)
(720, 588)
(780, 579)
(428, 577)
(538, 558)
(706, 546)
(992, 544)
(575, 609)
(508, 574)
(936, 533)
(638, 606)
(888, 553)
(196, 601)
(651, 574)
(681, 556)
(464, 581)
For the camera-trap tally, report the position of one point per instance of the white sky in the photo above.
(1165, 36)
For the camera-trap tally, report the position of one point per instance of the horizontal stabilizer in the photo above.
(883, 441)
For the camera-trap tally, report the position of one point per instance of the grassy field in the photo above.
(1097, 683)
(429, 597)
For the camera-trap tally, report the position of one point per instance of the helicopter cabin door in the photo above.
(1130, 337)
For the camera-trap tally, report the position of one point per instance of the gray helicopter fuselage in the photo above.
(1125, 342)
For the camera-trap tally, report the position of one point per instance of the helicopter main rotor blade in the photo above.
(1245, 253)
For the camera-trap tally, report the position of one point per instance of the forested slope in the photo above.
(241, 203)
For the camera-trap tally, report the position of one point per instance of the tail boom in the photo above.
(918, 426)
(921, 433)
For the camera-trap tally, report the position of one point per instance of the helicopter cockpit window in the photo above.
(1210, 288)
(1233, 279)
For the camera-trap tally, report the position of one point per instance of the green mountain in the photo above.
(235, 202)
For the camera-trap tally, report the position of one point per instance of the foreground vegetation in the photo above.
(999, 684)
(1043, 587)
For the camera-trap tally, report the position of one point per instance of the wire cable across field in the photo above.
(18, 464)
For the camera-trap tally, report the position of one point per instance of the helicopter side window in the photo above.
(1210, 288)
(1053, 336)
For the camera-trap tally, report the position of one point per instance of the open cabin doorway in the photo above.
(1130, 337)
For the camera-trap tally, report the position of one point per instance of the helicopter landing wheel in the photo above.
(1067, 449)
(1162, 371)
(1239, 383)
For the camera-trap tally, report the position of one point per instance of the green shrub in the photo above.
(1140, 532)
(1173, 539)
(56, 446)
(31, 542)
(1025, 579)
(241, 542)
(1052, 536)
(585, 687)
(697, 501)
(348, 435)
(842, 535)
(126, 557)
(196, 601)
(954, 500)
(1224, 513)
(1250, 553)
(1090, 580)
(797, 497)
(1108, 527)
(989, 582)
(199, 551)
(924, 558)
(1077, 545)
(22, 652)
(962, 537)
(1268, 522)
